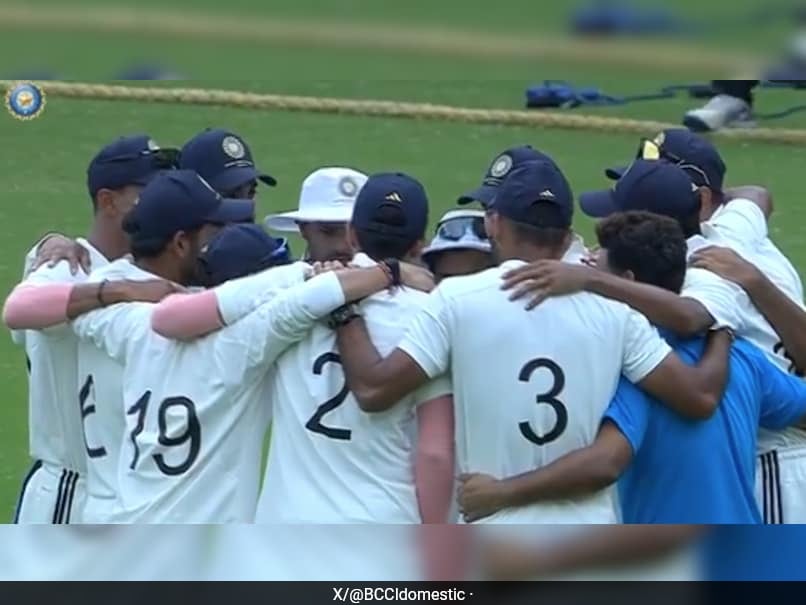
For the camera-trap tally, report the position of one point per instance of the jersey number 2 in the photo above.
(548, 398)
(315, 422)
(192, 432)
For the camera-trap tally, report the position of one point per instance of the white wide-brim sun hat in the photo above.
(327, 196)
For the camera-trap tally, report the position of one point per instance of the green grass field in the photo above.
(43, 170)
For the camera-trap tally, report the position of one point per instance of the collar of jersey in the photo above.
(128, 270)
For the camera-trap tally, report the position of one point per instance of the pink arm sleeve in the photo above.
(31, 307)
(434, 462)
(187, 316)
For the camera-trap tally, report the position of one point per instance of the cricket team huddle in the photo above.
(499, 371)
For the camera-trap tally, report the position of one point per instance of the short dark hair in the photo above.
(651, 246)
(378, 245)
(151, 248)
(546, 226)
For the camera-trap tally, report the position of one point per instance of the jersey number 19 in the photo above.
(191, 434)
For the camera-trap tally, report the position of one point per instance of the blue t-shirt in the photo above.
(694, 471)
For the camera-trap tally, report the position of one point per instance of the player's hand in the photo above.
(479, 496)
(726, 264)
(539, 280)
(323, 267)
(57, 248)
(417, 277)
(591, 257)
(150, 291)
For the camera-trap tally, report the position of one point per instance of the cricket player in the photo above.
(736, 219)
(325, 207)
(100, 377)
(497, 172)
(223, 159)
(54, 489)
(329, 461)
(671, 470)
(196, 413)
(518, 407)
(219, 156)
(460, 245)
(173, 218)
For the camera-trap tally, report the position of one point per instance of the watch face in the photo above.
(343, 315)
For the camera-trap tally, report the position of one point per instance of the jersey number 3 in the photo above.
(192, 432)
(548, 398)
(315, 422)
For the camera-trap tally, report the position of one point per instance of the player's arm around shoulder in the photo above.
(542, 279)
(54, 247)
(786, 316)
(40, 301)
(287, 318)
(193, 315)
(114, 329)
(240, 297)
(577, 474)
(378, 382)
(691, 391)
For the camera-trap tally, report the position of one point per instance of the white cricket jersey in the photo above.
(18, 336)
(101, 398)
(196, 412)
(741, 226)
(329, 462)
(530, 386)
(54, 416)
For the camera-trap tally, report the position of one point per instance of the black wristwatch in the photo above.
(342, 316)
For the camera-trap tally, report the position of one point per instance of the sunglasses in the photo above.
(163, 159)
(650, 150)
(456, 228)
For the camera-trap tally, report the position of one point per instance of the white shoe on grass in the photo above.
(721, 111)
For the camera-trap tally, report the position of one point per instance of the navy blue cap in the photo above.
(223, 159)
(392, 190)
(130, 160)
(240, 250)
(180, 200)
(648, 185)
(504, 163)
(683, 147)
(532, 183)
